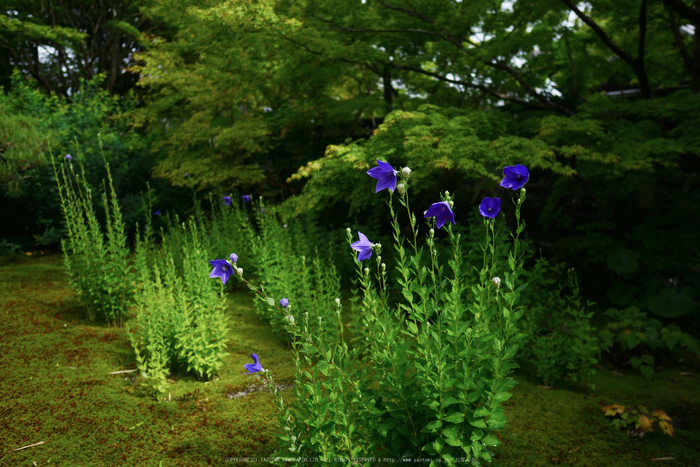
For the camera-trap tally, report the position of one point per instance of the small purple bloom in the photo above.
(68, 157)
(262, 209)
(145, 227)
(253, 367)
(385, 175)
(233, 257)
(489, 207)
(515, 176)
(441, 212)
(227, 200)
(284, 303)
(186, 175)
(364, 246)
(246, 198)
(222, 270)
(157, 213)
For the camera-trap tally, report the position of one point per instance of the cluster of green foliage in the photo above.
(99, 271)
(181, 316)
(89, 123)
(642, 420)
(433, 368)
(633, 338)
(562, 340)
(22, 147)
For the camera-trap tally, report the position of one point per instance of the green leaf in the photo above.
(491, 440)
(454, 417)
(432, 427)
(502, 396)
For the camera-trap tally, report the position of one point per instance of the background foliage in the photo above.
(295, 100)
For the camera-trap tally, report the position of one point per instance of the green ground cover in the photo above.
(56, 388)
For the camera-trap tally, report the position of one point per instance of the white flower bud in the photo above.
(452, 204)
(337, 301)
(406, 172)
(240, 271)
(348, 230)
(401, 188)
(290, 318)
(447, 193)
(383, 267)
(496, 281)
(432, 233)
(379, 258)
(366, 270)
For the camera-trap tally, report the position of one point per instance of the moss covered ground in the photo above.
(56, 387)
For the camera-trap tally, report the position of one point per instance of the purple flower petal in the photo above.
(515, 176)
(253, 367)
(246, 198)
(490, 207)
(284, 303)
(441, 212)
(222, 270)
(227, 200)
(363, 246)
(385, 176)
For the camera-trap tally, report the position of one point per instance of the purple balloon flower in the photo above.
(253, 367)
(284, 303)
(489, 207)
(68, 157)
(364, 246)
(157, 213)
(222, 270)
(441, 212)
(227, 200)
(246, 198)
(515, 176)
(385, 175)
(186, 175)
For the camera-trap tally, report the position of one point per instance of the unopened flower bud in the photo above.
(383, 267)
(401, 188)
(337, 301)
(379, 258)
(447, 193)
(366, 270)
(290, 318)
(496, 281)
(348, 230)
(432, 233)
(406, 172)
(452, 204)
(240, 271)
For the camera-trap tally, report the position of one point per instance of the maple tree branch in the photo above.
(545, 105)
(684, 11)
(599, 31)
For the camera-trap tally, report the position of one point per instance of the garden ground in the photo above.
(56, 387)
